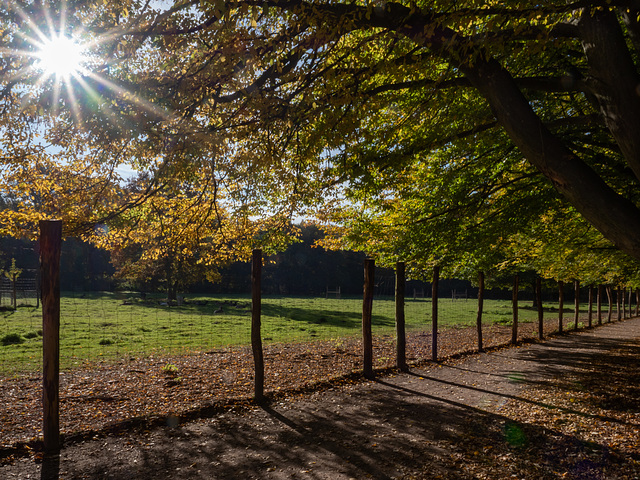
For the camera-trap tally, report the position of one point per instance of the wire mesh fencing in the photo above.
(21, 292)
(130, 354)
(106, 326)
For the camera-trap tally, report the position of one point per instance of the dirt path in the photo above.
(464, 418)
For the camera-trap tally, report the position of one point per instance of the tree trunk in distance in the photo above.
(539, 307)
(434, 314)
(401, 338)
(367, 312)
(560, 305)
(256, 335)
(514, 305)
(610, 301)
(50, 247)
(171, 294)
(480, 307)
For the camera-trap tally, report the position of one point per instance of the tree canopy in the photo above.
(434, 130)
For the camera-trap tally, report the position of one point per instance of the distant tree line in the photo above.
(302, 269)
(83, 267)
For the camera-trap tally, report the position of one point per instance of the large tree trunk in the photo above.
(617, 218)
(613, 80)
(614, 216)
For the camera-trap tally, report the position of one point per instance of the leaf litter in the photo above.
(582, 425)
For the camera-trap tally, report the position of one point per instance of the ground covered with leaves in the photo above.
(566, 408)
(103, 395)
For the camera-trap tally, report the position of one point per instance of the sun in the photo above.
(62, 57)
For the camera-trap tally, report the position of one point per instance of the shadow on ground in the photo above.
(407, 426)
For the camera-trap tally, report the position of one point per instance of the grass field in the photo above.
(110, 325)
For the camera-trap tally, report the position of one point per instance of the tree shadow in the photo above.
(390, 427)
(378, 433)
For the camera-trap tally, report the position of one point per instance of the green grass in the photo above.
(113, 325)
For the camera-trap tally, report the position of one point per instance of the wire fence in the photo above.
(22, 292)
(139, 353)
(98, 326)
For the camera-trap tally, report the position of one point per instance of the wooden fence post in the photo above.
(539, 307)
(367, 312)
(434, 314)
(599, 305)
(256, 336)
(576, 303)
(590, 315)
(480, 308)
(560, 305)
(401, 337)
(50, 247)
(514, 305)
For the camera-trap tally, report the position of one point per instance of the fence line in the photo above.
(21, 292)
(104, 326)
(196, 325)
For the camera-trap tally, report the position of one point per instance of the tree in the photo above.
(62, 146)
(292, 96)
(181, 234)
(12, 275)
(526, 115)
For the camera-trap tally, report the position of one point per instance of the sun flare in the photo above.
(62, 57)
